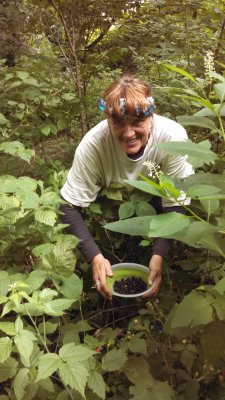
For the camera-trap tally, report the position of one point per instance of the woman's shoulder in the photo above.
(94, 139)
(169, 128)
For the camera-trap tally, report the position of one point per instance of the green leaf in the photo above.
(210, 206)
(47, 294)
(29, 200)
(47, 385)
(46, 216)
(192, 120)
(5, 348)
(82, 326)
(137, 371)
(212, 341)
(16, 148)
(148, 187)
(18, 325)
(219, 89)
(4, 282)
(96, 384)
(20, 383)
(163, 225)
(48, 364)
(144, 208)
(8, 328)
(36, 279)
(114, 360)
(26, 184)
(180, 71)
(70, 352)
(198, 153)
(194, 311)
(46, 129)
(137, 345)
(61, 259)
(57, 307)
(70, 287)
(3, 120)
(24, 343)
(47, 328)
(218, 109)
(126, 210)
(75, 375)
(162, 391)
(113, 194)
(8, 369)
(202, 190)
(95, 208)
(220, 286)
(200, 234)
(23, 75)
(8, 184)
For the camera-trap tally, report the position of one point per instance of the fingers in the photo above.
(101, 268)
(155, 275)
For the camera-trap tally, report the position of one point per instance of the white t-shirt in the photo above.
(99, 161)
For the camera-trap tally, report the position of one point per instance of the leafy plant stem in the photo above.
(36, 328)
(222, 128)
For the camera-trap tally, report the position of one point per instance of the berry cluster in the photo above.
(131, 285)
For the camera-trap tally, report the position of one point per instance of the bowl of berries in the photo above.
(129, 280)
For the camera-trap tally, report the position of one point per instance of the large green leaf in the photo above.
(20, 383)
(162, 391)
(180, 71)
(29, 200)
(146, 187)
(114, 360)
(192, 120)
(202, 190)
(24, 343)
(200, 234)
(96, 384)
(57, 307)
(212, 341)
(204, 179)
(137, 345)
(126, 210)
(194, 311)
(36, 279)
(70, 287)
(206, 112)
(71, 352)
(8, 369)
(48, 364)
(144, 208)
(61, 258)
(163, 225)
(75, 375)
(16, 148)
(8, 328)
(198, 153)
(46, 215)
(5, 348)
(219, 89)
(3, 120)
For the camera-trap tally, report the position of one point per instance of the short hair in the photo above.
(133, 90)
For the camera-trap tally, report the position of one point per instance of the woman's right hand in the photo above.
(101, 268)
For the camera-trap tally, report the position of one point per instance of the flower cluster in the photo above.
(154, 169)
(209, 64)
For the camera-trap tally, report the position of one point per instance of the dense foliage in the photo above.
(56, 340)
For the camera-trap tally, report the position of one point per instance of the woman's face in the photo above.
(131, 133)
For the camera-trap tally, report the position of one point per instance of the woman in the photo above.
(119, 148)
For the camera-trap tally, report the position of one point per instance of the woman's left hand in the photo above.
(155, 275)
